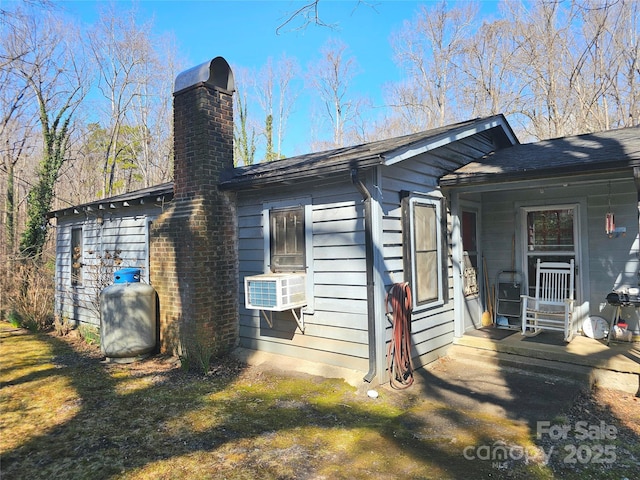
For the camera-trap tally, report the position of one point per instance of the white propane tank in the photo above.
(128, 322)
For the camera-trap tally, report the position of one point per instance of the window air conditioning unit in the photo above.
(275, 291)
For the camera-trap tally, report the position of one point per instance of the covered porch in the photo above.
(569, 200)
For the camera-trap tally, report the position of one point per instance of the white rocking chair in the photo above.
(552, 306)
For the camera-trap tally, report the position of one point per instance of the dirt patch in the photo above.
(619, 405)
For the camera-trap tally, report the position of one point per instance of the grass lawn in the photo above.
(66, 414)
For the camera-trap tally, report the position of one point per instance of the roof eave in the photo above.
(451, 136)
(500, 178)
(290, 176)
(159, 196)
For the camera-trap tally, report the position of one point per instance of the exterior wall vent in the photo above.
(275, 292)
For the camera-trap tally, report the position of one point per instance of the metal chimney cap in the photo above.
(216, 73)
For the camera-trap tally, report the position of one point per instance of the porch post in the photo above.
(456, 257)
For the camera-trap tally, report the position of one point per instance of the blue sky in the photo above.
(244, 33)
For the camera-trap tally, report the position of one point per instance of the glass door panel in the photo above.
(551, 237)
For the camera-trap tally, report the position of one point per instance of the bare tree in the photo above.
(127, 140)
(276, 97)
(16, 142)
(44, 55)
(120, 49)
(151, 112)
(265, 92)
(626, 41)
(244, 128)
(593, 72)
(556, 68)
(577, 65)
(429, 49)
(331, 77)
(16, 124)
(545, 55)
(487, 73)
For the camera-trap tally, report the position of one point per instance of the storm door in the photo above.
(471, 267)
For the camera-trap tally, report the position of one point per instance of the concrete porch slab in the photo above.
(613, 366)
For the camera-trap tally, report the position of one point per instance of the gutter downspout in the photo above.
(371, 311)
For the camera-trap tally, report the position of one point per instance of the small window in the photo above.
(287, 239)
(424, 251)
(76, 256)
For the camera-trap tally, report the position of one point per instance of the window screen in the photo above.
(425, 241)
(424, 250)
(550, 230)
(287, 239)
(550, 237)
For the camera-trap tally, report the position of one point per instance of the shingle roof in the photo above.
(361, 156)
(588, 153)
(323, 163)
(164, 191)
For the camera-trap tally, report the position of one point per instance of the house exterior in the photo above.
(366, 212)
(95, 239)
(341, 227)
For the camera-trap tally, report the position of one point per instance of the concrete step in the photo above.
(618, 357)
(556, 371)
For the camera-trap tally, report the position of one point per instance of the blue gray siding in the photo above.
(336, 331)
(123, 232)
(432, 329)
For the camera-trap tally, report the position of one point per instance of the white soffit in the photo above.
(446, 138)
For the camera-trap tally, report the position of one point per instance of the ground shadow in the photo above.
(118, 430)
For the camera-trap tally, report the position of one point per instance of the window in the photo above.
(551, 236)
(423, 250)
(550, 230)
(287, 239)
(76, 256)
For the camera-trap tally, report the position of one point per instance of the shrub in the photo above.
(62, 326)
(195, 351)
(31, 294)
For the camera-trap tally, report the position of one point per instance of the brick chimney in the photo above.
(193, 244)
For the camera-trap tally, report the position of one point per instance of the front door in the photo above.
(471, 268)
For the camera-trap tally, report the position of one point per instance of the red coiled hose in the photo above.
(398, 307)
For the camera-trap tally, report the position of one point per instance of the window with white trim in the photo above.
(424, 250)
(287, 239)
(552, 236)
